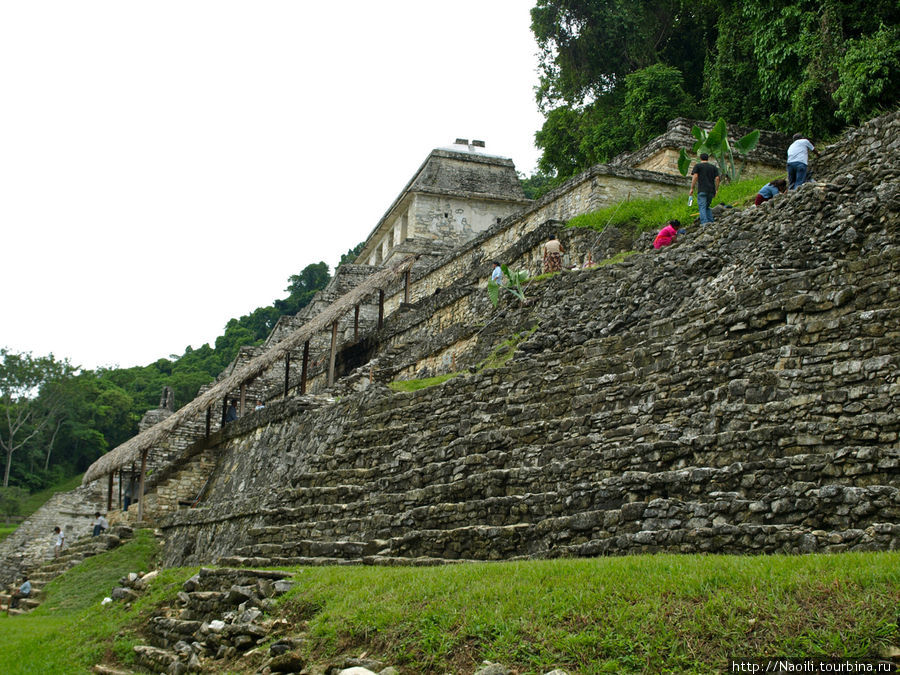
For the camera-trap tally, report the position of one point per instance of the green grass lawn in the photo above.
(651, 614)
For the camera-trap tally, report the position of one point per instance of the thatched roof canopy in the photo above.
(131, 450)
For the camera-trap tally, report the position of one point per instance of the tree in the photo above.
(11, 499)
(587, 47)
(352, 254)
(608, 70)
(869, 75)
(29, 399)
(653, 96)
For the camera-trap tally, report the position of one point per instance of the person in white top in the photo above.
(101, 524)
(59, 540)
(798, 161)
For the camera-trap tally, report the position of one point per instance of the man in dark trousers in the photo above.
(705, 178)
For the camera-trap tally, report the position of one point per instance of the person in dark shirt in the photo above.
(705, 179)
(231, 414)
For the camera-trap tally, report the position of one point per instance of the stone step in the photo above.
(157, 660)
(616, 456)
(313, 549)
(165, 632)
(753, 479)
(739, 539)
(802, 505)
(295, 561)
(25, 604)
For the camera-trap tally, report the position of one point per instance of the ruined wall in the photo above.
(592, 190)
(666, 161)
(737, 392)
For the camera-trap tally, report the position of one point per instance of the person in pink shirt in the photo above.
(667, 235)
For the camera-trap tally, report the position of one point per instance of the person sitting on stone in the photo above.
(231, 414)
(667, 235)
(259, 404)
(769, 190)
(101, 524)
(23, 591)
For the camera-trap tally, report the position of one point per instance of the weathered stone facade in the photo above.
(737, 392)
(457, 193)
(661, 154)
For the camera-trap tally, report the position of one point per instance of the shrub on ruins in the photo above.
(513, 283)
(11, 502)
(869, 75)
(715, 143)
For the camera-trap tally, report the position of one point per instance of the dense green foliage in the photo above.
(614, 72)
(659, 613)
(56, 419)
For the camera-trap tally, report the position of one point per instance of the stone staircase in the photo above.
(69, 558)
(735, 393)
(218, 615)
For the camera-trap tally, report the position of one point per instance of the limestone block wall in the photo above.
(737, 392)
(666, 161)
(594, 189)
(456, 220)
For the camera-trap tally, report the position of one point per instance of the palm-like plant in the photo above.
(715, 142)
(514, 284)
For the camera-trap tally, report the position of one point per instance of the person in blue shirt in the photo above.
(23, 592)
(769, 190)
(497, 274)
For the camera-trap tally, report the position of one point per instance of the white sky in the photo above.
(166, 166)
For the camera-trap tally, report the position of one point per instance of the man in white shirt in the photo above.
(101, 524)
(59, 540)
(798, 161)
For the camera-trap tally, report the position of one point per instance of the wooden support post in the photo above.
(380, 309)
(120, 488)
(109, 491)
(208, 420)
(287, 373)
(224, 411)
(406, 287)
(141, 486)
(334, 331)
(356, 324)
(243, 398)
(305, 368)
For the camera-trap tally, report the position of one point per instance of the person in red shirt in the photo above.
(667, 235)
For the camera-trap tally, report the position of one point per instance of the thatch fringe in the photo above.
(130, 451)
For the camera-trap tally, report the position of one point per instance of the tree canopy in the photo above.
(613, 72)
(56, 419)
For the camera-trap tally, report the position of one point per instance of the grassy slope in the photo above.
(654, 614)
(650, 214)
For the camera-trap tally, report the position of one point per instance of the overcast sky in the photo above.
(165, 166)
